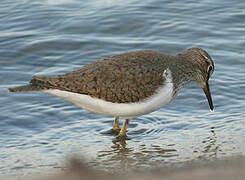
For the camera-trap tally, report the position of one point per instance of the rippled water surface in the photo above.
(48, 37)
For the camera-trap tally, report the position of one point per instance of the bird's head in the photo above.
(202, 64)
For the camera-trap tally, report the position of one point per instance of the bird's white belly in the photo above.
(126, 110)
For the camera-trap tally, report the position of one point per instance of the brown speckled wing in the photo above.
(124, 78)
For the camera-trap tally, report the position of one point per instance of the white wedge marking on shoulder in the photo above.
(162, 96)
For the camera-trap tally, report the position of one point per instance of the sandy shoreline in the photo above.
(226, 169)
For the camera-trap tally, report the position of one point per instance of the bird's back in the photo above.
(123, 78)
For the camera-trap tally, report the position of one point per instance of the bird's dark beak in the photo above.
(205, 87)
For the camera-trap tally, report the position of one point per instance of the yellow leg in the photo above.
(124, 128)
(116, 126)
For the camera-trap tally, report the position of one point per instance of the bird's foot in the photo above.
(116, 129)
(112, 131)
(123, 135)
(122, 138)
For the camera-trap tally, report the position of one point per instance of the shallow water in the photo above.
(48, 37)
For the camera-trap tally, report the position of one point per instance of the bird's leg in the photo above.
(116, 126)
(124, 128)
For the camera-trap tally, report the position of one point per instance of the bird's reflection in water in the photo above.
(122, 157)
(211, 147)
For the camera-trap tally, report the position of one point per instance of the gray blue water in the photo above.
(38, 132)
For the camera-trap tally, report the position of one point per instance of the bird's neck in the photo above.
(183, 71)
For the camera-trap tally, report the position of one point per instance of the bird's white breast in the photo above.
(163, 95)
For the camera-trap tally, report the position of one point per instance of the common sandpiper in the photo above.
(130, 84)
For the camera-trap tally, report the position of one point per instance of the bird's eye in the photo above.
(210, 68)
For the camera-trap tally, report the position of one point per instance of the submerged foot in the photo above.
(113, 131)
(121, 138)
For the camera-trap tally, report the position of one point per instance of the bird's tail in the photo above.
(37, 83)
(28, 87)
